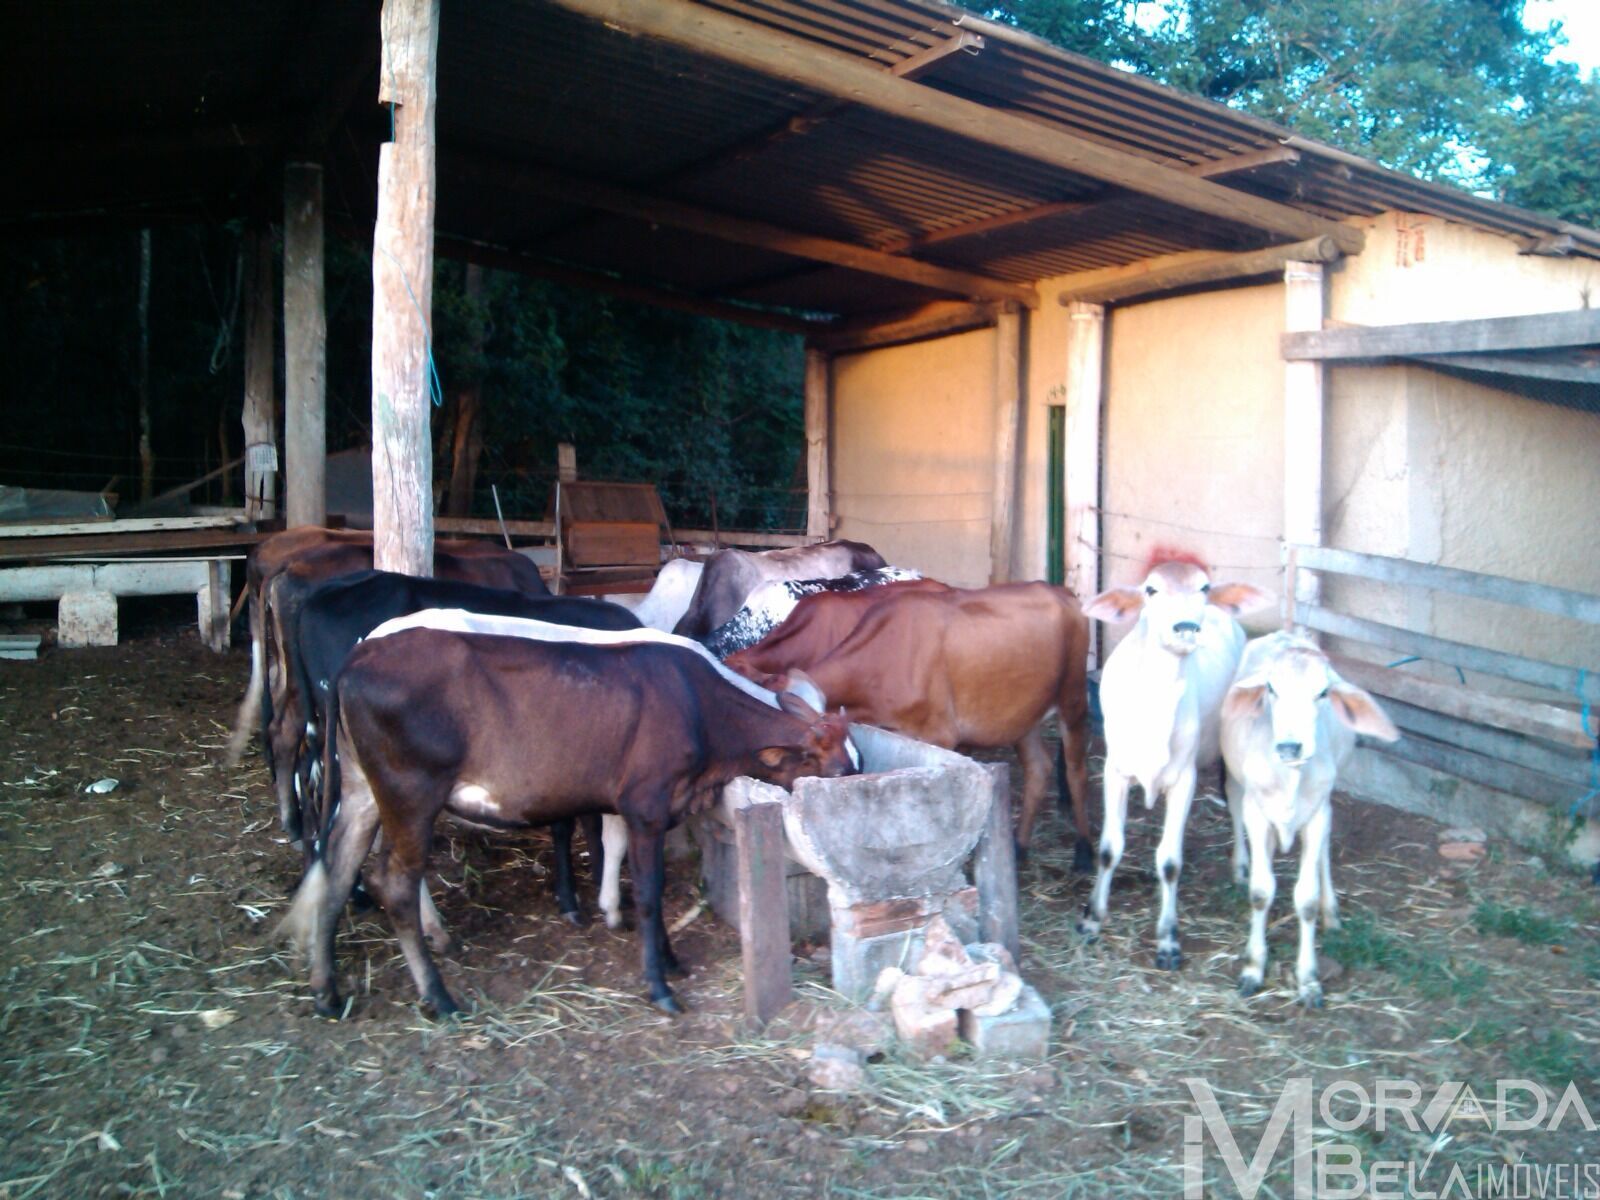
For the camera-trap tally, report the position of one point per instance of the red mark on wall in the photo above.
(1411, 239)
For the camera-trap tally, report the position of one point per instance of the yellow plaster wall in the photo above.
(913, 450)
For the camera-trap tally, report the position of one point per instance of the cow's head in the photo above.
(825, 749)
(1172, 601)
(1291, 688)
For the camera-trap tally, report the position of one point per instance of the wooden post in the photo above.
(305, 348)
(819, 416)
(402, 293)
(566, 462)
(1086, 339)
(763, 910)
(260, 388)
(994, 868)
(1007, 417)
(466, 442)
(1302, 423)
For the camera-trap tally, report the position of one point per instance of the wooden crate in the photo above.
(613, 544)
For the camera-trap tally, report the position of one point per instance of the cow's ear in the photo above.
(1115, 606)
(1237, 599)
(1244, 700)
(1361, 712)
(774, 757)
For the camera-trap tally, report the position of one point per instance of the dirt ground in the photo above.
(154, 1041)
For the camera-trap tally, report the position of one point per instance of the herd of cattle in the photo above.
(384, 700)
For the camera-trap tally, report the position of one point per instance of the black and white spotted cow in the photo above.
(771, 603)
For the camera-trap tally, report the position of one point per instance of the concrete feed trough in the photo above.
(871, 859)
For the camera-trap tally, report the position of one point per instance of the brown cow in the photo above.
(978, 668)
(504, 732)
(818, 624)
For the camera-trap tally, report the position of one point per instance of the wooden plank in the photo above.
(994, 868)
(1007, 420)
(402, 293)
(1539, 331)
(490, 527)
(1086, 339)
(1570, 766)
(779, 55)
(818, 419)
(1487, 772)
(305, 340)
(613, 544)
(130, 525)
(1560, 602)
(1303, 411)
(763, 910)
(659, 210)
(1569, 680)
(1520, 368)
(31, 549)
(939, 319)
(745, 538)
(1526, 717)
(1210, 268)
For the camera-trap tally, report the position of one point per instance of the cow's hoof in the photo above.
(361, 900)
(1311, 994)
(1169, 958)
(575, 917)
(1082, 857)
(444, 1008)
(329, 1005)
(1249, 985)
(668, 1003)
(1089, 929)
(615, 921)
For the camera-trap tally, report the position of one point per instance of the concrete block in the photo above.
(837, 1068)
(866, 938)
(87, 619)
(965, 989)
(1021, 1033)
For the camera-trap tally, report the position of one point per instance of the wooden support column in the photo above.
(763, 910)
(994, 868)
(1302, 426)
(1086, 339)
(260, 389)
(1007, 417)
(819, 434)
(402, 293)
(305, 348)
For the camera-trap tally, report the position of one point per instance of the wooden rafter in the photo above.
(705, 31)
(1539, 331)
(571, 189)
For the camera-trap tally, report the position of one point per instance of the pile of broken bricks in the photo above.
(955, 993)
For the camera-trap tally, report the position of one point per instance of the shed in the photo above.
(1057, 316)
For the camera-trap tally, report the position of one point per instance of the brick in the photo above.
(925, 1031)
(964, 989)
(1021, 1033)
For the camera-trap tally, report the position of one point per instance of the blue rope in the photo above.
(435, 388)
(1594, 755)
(1411, 658)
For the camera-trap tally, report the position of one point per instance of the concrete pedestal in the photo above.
(86, 619)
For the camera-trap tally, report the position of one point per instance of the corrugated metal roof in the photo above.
(185, 108)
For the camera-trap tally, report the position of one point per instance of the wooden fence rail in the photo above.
(1538, 749)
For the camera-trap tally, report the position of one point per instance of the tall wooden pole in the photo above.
(1302, 426)
(819, 406)
(260, 387)
(147, 458)
(466, 443)
(402, 293)
(305, 348)
(1086, 339)
(1007, 417)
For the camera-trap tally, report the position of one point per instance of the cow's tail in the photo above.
(250, 707)
(328, 801)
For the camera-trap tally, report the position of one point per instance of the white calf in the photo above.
(669, 596)
(1161, 692)
(1288, 724)
(614, 836)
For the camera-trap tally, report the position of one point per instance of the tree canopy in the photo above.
(1455, 90)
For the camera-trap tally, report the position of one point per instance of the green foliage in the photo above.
(1526, 925)
(1446, 89)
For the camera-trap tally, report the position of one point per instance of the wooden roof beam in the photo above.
(569, 189)
(938, 319)
(703, 30)
(1120, 284)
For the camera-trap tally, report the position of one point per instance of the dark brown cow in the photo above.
(317, 553)
(978, 668)
(505, 732)
(731, 575)
(818, 624)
